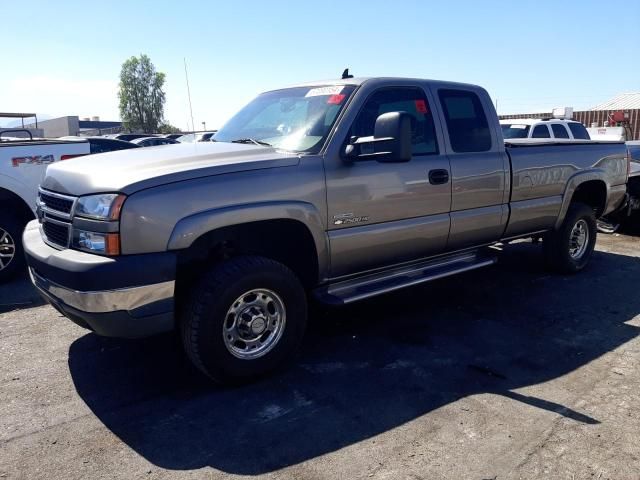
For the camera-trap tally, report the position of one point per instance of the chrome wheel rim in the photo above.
(254, 324)
(579, 239)
(7, 249)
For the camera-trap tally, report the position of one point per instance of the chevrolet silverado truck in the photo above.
(332, 191)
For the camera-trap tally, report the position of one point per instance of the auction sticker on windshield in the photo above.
(330, 90)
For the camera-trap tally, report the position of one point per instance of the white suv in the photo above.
(552, 128)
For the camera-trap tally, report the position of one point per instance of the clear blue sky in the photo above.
(64, 57)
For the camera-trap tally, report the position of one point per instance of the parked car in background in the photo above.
(633, 147)
(153, 141)
(543, 128)
(338, 191)
(130, 136)
(197, 137)
(102, 144)
(23, 162)
(627, 215)
(173, 136)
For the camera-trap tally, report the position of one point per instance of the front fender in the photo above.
(25, 192)
(190, 228)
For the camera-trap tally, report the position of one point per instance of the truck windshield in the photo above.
(515, 130)
(294, 119)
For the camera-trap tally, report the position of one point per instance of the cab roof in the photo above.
(358, 81)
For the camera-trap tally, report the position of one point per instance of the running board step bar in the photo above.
(359, 288)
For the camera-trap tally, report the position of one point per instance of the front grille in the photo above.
(56, 233)
(55, 211)
(58, 204)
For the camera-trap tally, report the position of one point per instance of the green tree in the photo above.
(141, 95)
(168, 128)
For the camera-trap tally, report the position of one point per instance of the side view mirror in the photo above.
(391, 140)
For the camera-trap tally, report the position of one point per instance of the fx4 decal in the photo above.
(33, 160)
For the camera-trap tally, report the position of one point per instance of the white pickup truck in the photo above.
(23, 163)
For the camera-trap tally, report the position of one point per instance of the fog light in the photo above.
(104, 243)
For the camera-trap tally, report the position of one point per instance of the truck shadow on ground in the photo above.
(19, 294)
(367, 368)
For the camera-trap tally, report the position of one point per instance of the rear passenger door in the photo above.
(479, 167)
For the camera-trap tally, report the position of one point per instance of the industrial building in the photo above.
(621, 110)
(73, 125)
(62, 126)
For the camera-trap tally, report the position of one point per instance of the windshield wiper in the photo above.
(251, 140)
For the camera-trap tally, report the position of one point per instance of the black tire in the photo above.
(206, 314)
(11, 228)
(557, 244)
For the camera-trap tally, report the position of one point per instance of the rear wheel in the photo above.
(568, 249)
(245, 317)
(11, 252)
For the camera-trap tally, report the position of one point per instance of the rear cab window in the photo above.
(540, 131)
(466, 121)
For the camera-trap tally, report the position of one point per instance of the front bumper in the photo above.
(128, 296)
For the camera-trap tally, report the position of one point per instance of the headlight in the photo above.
(103, 243)
(105, 206)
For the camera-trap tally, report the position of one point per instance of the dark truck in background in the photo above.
(627, 215)
(336, 191)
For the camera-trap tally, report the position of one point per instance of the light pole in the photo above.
(204, 125)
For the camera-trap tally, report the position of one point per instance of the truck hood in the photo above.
(128, 171)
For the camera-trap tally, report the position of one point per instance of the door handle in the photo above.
(438, 177)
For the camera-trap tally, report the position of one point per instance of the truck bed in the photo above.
(542, 172)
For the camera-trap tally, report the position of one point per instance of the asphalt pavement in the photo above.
(503, 373)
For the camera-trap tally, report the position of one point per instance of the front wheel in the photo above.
(569, 249)
(244, 318)
(11, 253)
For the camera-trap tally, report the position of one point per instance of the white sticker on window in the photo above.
(331, 90)
(519, 127)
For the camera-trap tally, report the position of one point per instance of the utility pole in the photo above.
(193, 126)
(204, 126)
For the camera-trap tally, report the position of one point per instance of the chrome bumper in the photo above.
(126, 299)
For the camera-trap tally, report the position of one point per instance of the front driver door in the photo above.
(386, 213)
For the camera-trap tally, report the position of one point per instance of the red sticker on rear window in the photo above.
(336, 99)
(421, 106)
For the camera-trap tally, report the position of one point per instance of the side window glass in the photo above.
(410, 100)
(466, 121)
(541, 131)
(579, 131)
(559, 131)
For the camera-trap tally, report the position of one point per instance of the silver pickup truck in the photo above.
(335, 191)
